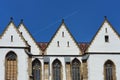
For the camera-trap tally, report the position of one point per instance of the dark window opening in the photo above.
(11, 38)
(106, 38)
(56, 70)
(63, 34)
(68, 44)
(75, 70)
(36, 69)
(58, 43)
(109, 70)
(106, 30)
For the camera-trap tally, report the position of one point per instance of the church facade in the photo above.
(62, 58)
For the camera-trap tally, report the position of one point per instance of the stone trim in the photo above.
(113, 70)
(85, 71)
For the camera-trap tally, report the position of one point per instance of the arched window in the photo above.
(36, 68)
(56, 70)
(11, 66)
(75, 69)
(109, 69)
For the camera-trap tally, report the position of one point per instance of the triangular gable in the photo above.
(106, 40)
(63, 43)
(11, 37)
(35, 50)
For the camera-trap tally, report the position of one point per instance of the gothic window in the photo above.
(56, 70)
(109, 70)
(36, 68)
(11, 66)
(75, 69)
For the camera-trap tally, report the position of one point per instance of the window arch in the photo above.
(109, 70)
(56, 70)
(11, 66)
(36, 68)
(75, 69)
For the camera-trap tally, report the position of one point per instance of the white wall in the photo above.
(18, 40)
(63, 49)
(96, 65)
(99, 44)
(35, 50)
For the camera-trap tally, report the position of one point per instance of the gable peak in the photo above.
(105, 17)
(11, 18)
(21, 21)
(106, 20)
(62, 20)
(63, 24)
(11, 22)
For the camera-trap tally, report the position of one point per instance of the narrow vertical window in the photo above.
(106, 30)
(75, 70)
(56, 70)
(68, 44)
(63, 34)
(106, 38)
(58, 44)
(11, 66)
(11, 38)
(109, 70)
(36, 69)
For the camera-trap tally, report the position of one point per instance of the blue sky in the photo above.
(43, 17)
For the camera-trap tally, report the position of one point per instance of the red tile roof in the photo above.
(42, 45)
(83, 46)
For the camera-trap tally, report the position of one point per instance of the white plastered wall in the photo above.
(16, 41)
(99, 44)
(63, 48)
(96, 66)
(35, 50)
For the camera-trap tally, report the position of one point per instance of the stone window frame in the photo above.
(11, 60)
(80, 73)
(56, 60)
(40, 68)
(113, 69)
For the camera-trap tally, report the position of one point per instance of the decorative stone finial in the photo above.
(21, 20)
(105, 17)
(11, 18)
(62, 20)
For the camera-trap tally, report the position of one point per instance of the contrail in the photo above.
(49, 26)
